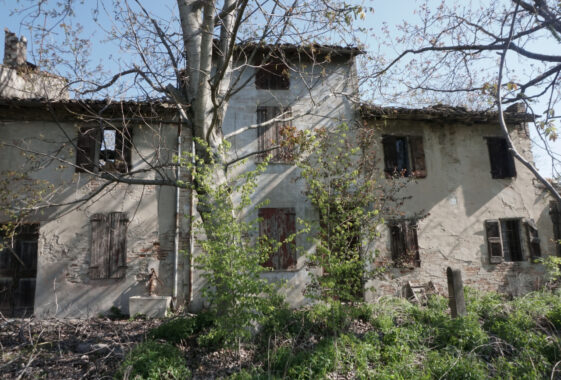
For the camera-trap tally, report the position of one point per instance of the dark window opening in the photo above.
(404, 156)
(18, 271)
(108, 257)
(277, 225)
(504, 240)
(271, 135)
(106, 149)
(555, 212)
(404, 244)
(272, 76)
(502, 161)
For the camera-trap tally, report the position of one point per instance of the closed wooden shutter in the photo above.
(555, 213)
(278, 224)
(285, 153)
(86, 146)
(99, 258)
(267, 134)
(390, 154)
(412, 245)
(118, 244)
(494, 245)
(397, 241)
(533, 238)
(418, 156)
(123, 145)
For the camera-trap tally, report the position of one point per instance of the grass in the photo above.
(393, 339)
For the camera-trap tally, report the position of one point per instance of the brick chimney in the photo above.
(15, 50)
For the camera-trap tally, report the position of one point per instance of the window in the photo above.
(105, 149)
(504, 240)
(18, 271)
(502, 162)
(108, 245)
(272, 76)
(277, 225)
(404, 245)
(555, 212)
(404, 156)
(271, 134)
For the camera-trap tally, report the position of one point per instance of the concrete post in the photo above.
(456, 292)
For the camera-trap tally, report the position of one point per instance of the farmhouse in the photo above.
(89, 243)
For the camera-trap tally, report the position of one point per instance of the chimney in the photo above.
(15, 50)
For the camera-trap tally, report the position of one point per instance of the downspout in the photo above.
(177, 219)
(191, 234)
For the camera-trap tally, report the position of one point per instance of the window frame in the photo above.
(497, 240)
(414, 156)
(501, 160)
(271, 134)
(404, 243)
(90, 150)
(272, 76)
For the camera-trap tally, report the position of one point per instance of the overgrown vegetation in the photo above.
(392, 339)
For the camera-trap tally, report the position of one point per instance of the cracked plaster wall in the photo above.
(455, 199)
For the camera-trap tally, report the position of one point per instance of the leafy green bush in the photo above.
(180, 329)
(153, 360)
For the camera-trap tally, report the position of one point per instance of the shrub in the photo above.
(153, 360)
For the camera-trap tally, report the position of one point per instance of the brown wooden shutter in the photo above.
(285, 153)
(390, 154)
(555, 213)
(502, 161)
(494, 245)
(118, 244)
(397, 241)
(418, 156)
(412, 245)
(99, 262)
(278, 224)
(533, 238)
(86, 145)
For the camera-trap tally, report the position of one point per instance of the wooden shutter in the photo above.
(412, 245)
(117, 244)
(284, 153)
(533, 238)
(494, 245)
(86, 146)
(99, 259)
(123, 145)
(397, 241)
(390, 154)
(418, 156)
(502, 161)
(278, 224)
(555, 213)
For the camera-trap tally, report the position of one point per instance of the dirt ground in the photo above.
(67, 348)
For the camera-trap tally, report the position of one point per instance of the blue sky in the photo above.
(390, 12)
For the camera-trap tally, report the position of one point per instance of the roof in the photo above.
(309, 49)
(439, 112)
(83, 110)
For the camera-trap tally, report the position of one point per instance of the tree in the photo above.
(194, 60)
(457, 47)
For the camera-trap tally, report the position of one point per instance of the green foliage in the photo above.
(342, 186)
(231, 263)
(553, 267)
(152, 360)
(181, 329)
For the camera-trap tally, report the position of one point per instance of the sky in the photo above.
(391, 13)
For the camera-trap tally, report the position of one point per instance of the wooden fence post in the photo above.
(456, 292)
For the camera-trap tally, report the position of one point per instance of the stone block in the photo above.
(150, 306)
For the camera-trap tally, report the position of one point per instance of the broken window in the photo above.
(555, 212)
(278, 225)
(504, 241)
(403, 242)
(502, 161)
(105, 149)
(108, 245)
(18, 271)
(272, 76)
(271, 134)
(404, 156)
